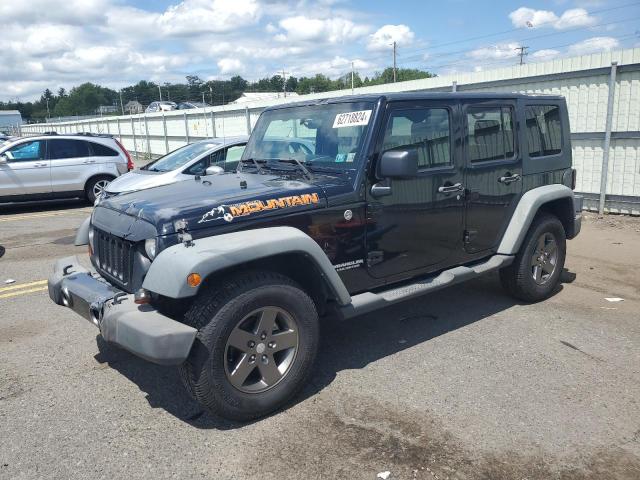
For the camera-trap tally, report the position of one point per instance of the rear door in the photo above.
(493, 177)
(71, 164)
(26, 171)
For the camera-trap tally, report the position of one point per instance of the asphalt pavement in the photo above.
(463, 384)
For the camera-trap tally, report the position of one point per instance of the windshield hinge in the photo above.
(183, 235)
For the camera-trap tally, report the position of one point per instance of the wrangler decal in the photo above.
(229, 212)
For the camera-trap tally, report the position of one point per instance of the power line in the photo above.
(504, 32)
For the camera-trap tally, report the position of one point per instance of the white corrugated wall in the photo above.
(583, 80)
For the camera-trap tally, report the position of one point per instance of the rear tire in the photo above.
(535, 272)
(256, 345)
(95, 186)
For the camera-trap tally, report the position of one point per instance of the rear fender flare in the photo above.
(523, 216)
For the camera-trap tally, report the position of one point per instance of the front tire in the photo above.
(535, 272)
(256, 345)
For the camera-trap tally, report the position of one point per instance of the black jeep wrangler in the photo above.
(340, 207)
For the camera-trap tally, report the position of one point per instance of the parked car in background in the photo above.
(183, 164)
(160, 107)
(189, 105)
(54, 166)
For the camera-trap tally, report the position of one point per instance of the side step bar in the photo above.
(368, 301)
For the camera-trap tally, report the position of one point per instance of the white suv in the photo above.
(54, 166)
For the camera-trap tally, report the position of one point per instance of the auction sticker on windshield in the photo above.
(352, 119)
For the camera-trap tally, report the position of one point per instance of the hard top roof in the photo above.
(414, 96)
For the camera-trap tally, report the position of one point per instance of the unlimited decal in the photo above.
(229, 212)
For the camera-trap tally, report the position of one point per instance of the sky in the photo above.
(115, 43)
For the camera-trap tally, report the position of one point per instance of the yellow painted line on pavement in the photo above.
(41, 215)
(22, 285)
(22, 292)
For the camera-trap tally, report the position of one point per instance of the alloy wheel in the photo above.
(99, 186)
(544, 258)
(261, 349)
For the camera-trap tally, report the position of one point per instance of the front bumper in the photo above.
(140, 329)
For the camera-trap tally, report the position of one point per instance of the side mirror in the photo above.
(398, 164)
(214, 170)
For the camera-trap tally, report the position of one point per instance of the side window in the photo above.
(61, 148)
(544, 131)
(26, 151)
(233, 156)
(100, 150)
(198, 168)
(425, 129)
(490, 133)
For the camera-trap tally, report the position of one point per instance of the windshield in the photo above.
(179, 157)
(329, 135)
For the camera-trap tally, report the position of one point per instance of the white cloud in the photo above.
(495, 52)
(594, 44)
(525, 17)
(545, 54)
(230, 65)
(387, 34)
(66, 12)
(329, 30)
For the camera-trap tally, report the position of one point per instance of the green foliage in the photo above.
(86, 98)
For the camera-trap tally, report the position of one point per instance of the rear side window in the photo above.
(490, 133)
(100, 150)
(425, 129)
(544, 130)
(63, 148)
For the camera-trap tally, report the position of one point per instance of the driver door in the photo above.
(26, 170)
(417, 226)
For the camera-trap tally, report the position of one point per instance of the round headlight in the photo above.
(150, 246)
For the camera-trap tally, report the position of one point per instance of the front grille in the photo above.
(114, 256)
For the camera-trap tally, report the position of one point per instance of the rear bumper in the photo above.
(140, 329)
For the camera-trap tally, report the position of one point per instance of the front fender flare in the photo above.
(524, 213)
(82, 234)
(169, 270)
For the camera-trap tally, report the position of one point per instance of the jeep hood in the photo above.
(219, 199)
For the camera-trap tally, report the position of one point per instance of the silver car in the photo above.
(54, 166)
(183, 164)
(163, 106)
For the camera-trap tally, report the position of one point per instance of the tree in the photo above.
(84, 100)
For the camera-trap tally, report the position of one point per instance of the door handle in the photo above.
(508, 178)
(89, 161)
(39, 165)
(456, 187)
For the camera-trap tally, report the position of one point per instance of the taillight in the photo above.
(126, 153)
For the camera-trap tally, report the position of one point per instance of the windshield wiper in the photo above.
(304, 169)
(257, 163)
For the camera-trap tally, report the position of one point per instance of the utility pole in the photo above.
(351, 78)
(48, 114)
(203, 102)
(523, 53)
(160, 92)
(211, 94)
(121, 104)
(395, 70)
(284, 83)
